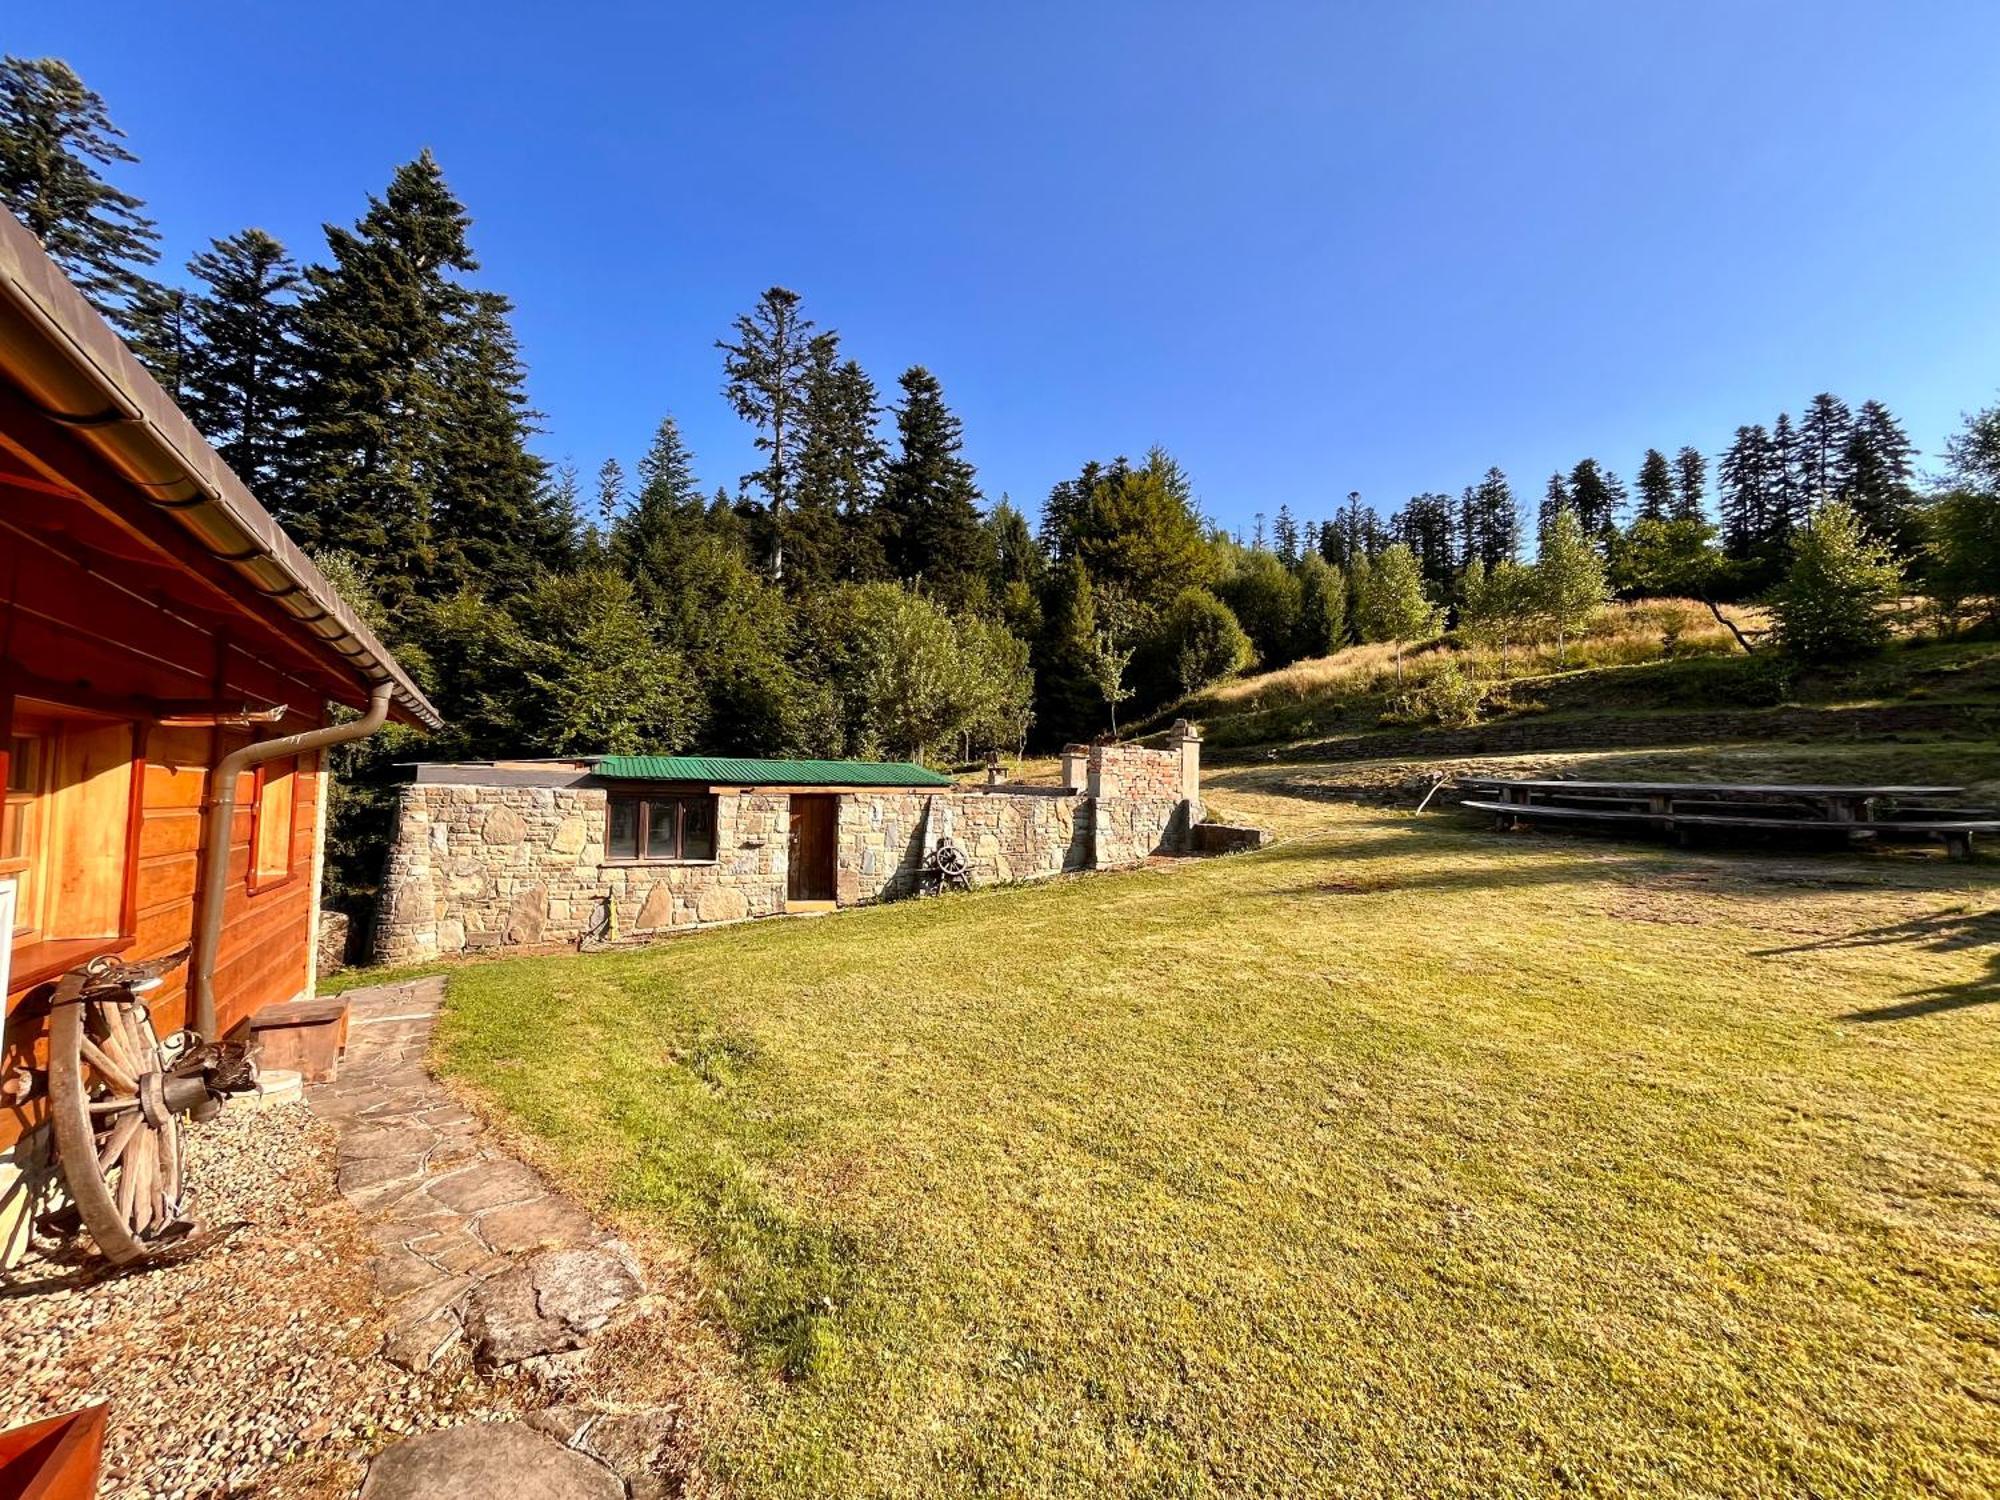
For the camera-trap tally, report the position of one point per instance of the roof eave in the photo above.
(71, 364)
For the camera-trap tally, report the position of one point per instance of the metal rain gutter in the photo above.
(221, 812)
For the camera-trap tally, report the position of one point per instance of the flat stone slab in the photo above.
(488, 1459)
(632, 1444)
(549, 1305)
(487, 1184)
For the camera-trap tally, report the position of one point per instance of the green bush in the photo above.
(1447, 699)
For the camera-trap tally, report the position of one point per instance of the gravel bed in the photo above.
(248, 1363)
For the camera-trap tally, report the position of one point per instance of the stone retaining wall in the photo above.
(478, 866)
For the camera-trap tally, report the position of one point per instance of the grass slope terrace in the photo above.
(1402, 1157)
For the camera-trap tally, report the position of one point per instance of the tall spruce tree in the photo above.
(1285, 536)
(664, 512)
(1823, 435)
(1555, 497)
(376, 326)
(1493, 521)
(1065, 653)
(1876, 469)
(839, 474)
(159, 325)
(54, 136)
(243, 389)
(930, 500)
(1596, 496)
(1425, 525)
(1745, 483)
(765, 373)
(1656, 486)
(489, 525)
(1789, 500)
(1690, 484)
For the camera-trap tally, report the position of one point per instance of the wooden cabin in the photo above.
(153, 619)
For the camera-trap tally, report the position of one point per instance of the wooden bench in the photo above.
(1848, 811)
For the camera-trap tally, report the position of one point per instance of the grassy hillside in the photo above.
(1656, 687)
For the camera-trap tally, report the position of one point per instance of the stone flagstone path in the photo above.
(477, 1254)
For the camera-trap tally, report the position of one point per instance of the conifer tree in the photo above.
(1020, 569)
(491, 528)
(1822, 444)
(1876, 470)
(159, 325)
(1596, 496)
(765, 372)
(1554, 498)
(1065, 695)
(611, 500)
(1656, 487)
(1493, 528)
(930, 501)
(664, 512)
(1322, 607)
(1285, 536)
(375, 326)
(243, 387)
(1745, 482)
(1788, 498)
(54, 136)
(839, 474)
(1425, 526)
(1690, 484)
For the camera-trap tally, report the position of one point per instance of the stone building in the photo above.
(522, 853)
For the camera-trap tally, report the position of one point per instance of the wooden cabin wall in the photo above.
(92, 621)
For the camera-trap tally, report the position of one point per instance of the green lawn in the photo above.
(1400, 1158)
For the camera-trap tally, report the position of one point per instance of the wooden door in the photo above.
(810, 873)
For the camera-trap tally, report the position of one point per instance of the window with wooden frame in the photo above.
(69, 824)
(22, 845)
(646, 826)
(274, 824)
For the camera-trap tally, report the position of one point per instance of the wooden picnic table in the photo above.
(1681, 805)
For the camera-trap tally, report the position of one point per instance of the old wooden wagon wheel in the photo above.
(115, 1097)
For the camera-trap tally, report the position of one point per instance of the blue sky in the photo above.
(1309, 248)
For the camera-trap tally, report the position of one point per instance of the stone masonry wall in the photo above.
(482, 867)
(477, 866)
(1018, 835)
(1142, 802)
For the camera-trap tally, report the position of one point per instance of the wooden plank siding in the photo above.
(86, 627)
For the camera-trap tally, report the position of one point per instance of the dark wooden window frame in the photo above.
(643, 805)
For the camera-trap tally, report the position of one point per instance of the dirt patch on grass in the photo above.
(1795, 901)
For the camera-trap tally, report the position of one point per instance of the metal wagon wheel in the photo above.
(114, 1098)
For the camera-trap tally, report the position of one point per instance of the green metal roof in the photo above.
(720, 770)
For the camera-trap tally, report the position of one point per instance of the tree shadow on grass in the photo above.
(1960, 930)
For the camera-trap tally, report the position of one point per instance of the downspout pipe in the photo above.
(215, 834)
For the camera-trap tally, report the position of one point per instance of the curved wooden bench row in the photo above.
(1957, 833)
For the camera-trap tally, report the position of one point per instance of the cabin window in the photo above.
(21, 842)
(66, 829)
(275, 824)
(655, 828)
